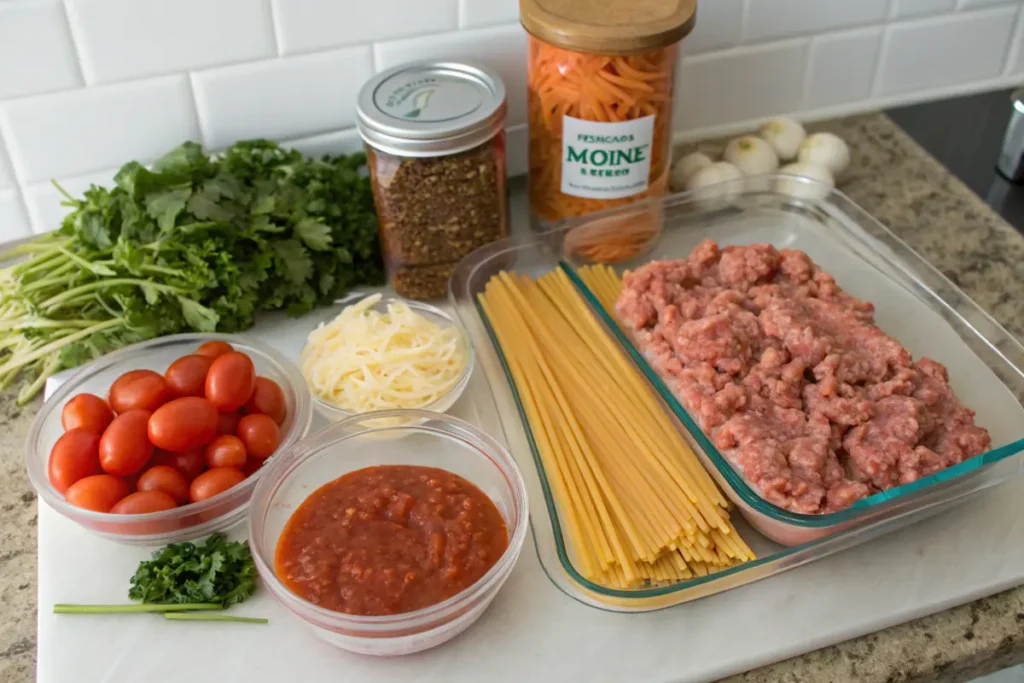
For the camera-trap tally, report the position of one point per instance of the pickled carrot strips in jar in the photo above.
(600, 83)
(625, 156)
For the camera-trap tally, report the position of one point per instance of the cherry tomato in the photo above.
(167, 479)
(100, 492)
(187, 376)
(76, 456)
(141, 502)
(188, 464)
(225, 451)
(87, 411)
(267, 398)
(260, 435)
(143, 389)
(231, 381)
(214, 348)
(124, 447)
(212, 482)
(183, 424)
(227, 423)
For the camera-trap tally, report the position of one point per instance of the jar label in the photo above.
(606, 160)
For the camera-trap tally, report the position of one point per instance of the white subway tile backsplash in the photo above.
(339, 142)
(945, 51)
(36, 54)
(44, 200)
(306, 25)
(916, 8)
(842, 68)
(973, 4)
(7, 179)
(281, 98)
(748, 83)
(76, 132)
(719, 25)
(484, 12)
(769, 19)
(120, 39)
(517, 147)
(502, 48)
(13, 221)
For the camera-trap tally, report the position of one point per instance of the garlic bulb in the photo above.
(800, 190)
(751, 155)
(785, 136)
(686, 167)
(716, 173)
(825, 149)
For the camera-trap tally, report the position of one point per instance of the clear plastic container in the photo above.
(423, 438)
(914, 303)
(431, 313)
(189, 521)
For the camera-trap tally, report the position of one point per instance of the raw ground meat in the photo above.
(792, 379)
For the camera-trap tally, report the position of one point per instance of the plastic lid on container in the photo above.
(608, 27)
(427, 109)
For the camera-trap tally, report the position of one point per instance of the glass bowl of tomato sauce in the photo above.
(364, 577)
(189, 521)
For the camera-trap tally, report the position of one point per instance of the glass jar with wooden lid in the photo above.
(600, 100)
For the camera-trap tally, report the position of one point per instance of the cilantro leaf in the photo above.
(214, 571)
(315, 234)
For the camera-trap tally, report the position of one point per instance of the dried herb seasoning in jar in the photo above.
(435, 144)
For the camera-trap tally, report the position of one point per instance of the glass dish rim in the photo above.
(334, 413)
(323, 438)
(41, 483)
(550, 240)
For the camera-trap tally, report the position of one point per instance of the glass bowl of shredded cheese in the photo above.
(382, 352)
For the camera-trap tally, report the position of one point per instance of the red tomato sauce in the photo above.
(389, 539)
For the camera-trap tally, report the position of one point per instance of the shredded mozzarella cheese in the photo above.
(366, 360)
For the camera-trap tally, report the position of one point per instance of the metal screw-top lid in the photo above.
(428, 109)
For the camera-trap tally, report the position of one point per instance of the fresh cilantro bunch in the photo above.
(195, 243)
(216, 571)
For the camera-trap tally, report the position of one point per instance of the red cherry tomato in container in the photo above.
(143, 389)
(260, 434)
(231, 381)
(183, 424)
(141, 502)
(188, 464)
(214, 348)
(227, 423)
(212, 482)
(225, 451)
(124, 447)
(75, 456)
(187, 376)
(99, 492)
(267, 398)
(167, 479)
(86, 411)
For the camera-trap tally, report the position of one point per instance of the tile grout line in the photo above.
(75, 44)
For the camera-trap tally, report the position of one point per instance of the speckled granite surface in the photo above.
(908, 191)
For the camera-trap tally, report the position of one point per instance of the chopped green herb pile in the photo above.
(216, 571)
(194, 244)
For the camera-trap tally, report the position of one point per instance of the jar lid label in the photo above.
(427, 96)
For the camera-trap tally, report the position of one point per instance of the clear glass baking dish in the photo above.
(914, 303)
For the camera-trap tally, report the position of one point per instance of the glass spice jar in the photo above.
(600, 86)
(435, 145)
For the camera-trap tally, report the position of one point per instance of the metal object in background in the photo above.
(1011, 156)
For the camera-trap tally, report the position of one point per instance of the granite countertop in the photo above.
(897, 182)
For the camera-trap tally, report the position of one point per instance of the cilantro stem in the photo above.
(63, 297)
(17, 361)
(64, 608)
(185, 616)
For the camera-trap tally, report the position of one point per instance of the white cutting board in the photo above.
(532, 632)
